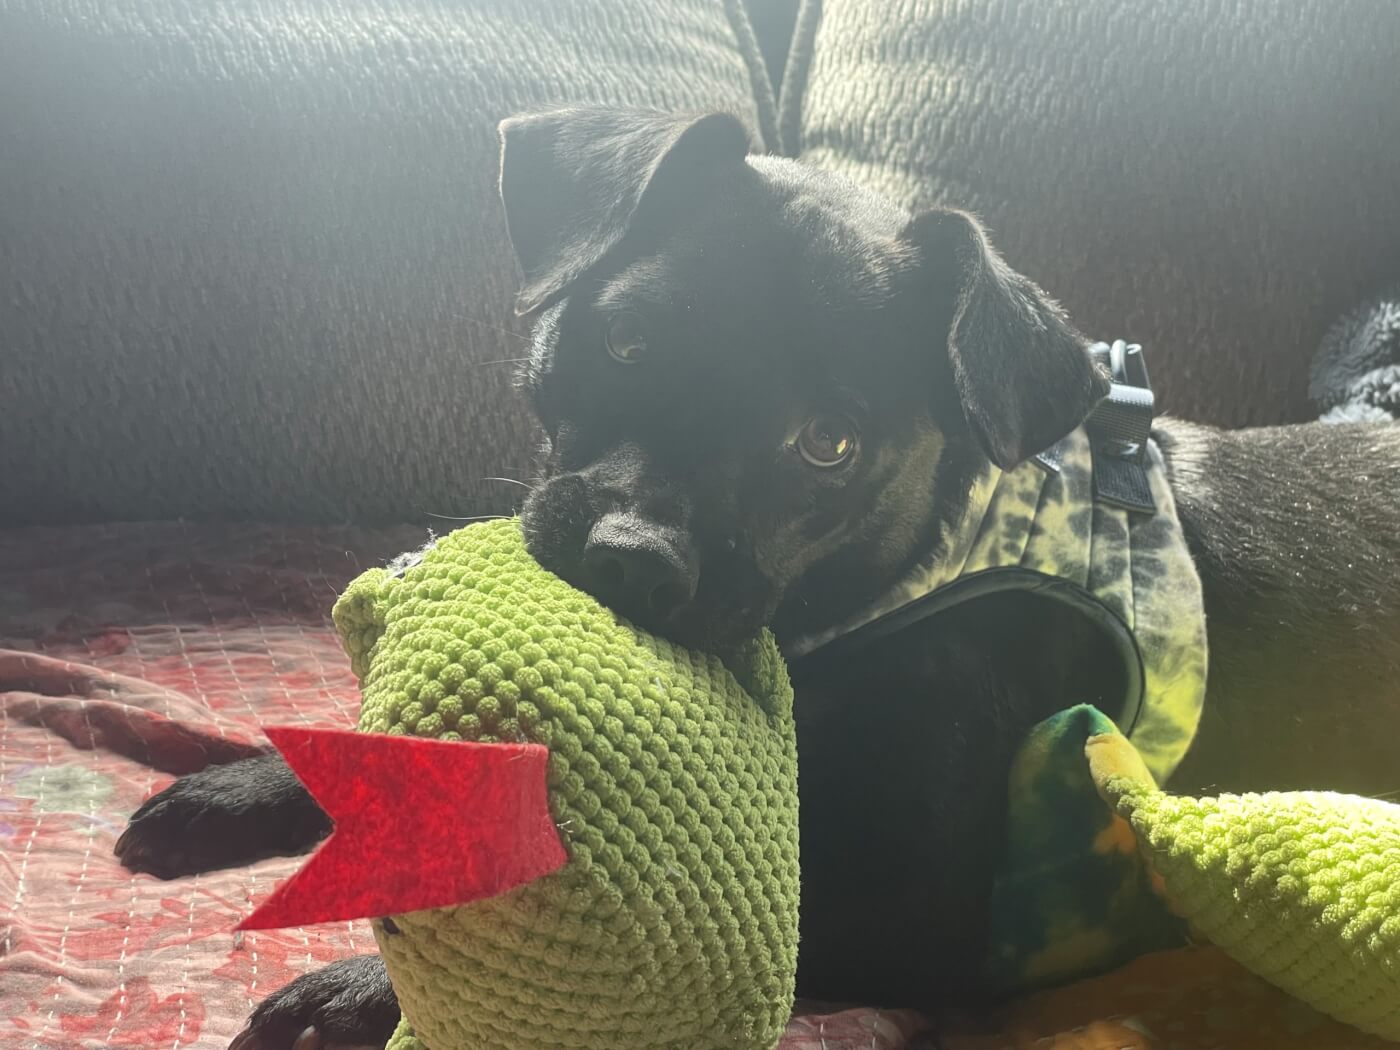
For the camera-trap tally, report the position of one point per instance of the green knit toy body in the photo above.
(672, 779)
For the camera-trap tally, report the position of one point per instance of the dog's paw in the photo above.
(222, 817)
(349, 1004)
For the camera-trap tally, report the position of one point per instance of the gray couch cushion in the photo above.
(251, 257)
(1219, 179)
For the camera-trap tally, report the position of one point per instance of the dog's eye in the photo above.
(627, 338)
(827, 441)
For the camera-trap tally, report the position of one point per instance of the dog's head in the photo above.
(762, 387)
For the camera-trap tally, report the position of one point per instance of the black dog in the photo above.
(765, 391)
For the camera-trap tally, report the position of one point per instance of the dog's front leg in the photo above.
(223, 817)
(349, 1003)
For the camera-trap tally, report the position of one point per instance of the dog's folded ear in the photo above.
(573, 181)
(1023, 375)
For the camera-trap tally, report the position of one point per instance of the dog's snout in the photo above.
(644, 570)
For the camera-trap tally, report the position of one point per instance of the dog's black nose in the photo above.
(644, 570)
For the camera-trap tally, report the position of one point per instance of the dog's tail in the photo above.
(1356, 373)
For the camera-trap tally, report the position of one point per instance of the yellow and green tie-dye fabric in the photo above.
(1072, 897)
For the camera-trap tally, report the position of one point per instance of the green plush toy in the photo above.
(670, 779)
(1302, 888)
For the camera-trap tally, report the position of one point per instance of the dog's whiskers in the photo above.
(492, 327)
(509, 481)
(475, 517)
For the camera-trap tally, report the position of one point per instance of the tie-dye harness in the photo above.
(1091, 523)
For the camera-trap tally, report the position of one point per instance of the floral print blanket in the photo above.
(130, 654)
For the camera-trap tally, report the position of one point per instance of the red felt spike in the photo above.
(418, 824)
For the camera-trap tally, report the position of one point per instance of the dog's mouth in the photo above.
(702, 596)
(713, 626)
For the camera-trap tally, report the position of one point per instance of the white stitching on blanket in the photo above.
(134, 638)
(185, 974)
(78, 889)
(29, 846)
(82, 879)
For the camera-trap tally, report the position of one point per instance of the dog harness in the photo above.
(1090, 523)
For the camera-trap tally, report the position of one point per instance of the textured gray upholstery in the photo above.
(251, 257)
(1219, 179)
(252, 261)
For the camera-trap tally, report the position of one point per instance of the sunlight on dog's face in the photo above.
(740, 368)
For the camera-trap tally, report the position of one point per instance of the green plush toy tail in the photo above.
(1303, 888)
(404, 1039)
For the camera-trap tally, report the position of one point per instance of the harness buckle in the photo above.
(1120, 427)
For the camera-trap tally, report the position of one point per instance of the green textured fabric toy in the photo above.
(1301, 887)
(671, 781)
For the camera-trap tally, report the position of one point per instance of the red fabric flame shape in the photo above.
(418, 824)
